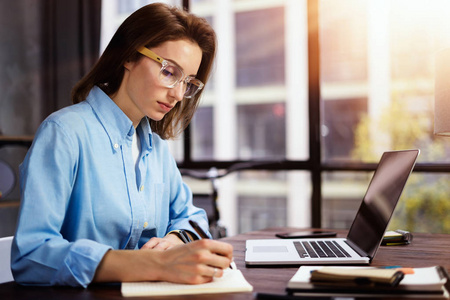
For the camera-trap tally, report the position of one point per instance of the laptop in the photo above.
(365, 234)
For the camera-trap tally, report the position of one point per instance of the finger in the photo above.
(220, 248)
(217, 272)
(207, 258)
(219, 261)
(162, 245)
(209, 273)
(151, 243)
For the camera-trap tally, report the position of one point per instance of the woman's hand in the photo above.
(164, 243)
(196, 262)
(193, 263)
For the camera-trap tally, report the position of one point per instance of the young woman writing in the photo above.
(102, 199)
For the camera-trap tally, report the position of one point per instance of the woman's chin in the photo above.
(156, 117)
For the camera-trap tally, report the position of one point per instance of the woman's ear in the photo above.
(129, 64)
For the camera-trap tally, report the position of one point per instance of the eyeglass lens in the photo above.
(170, 75)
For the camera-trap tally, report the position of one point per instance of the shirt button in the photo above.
(145, 224)
(142, 188)
(116, 146)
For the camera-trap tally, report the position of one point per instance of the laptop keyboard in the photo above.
(320, 249)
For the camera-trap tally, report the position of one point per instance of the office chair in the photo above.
(7, 179)
(5, 259)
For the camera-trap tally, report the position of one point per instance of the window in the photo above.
(377, 93)
(256, 110)
(319, 137)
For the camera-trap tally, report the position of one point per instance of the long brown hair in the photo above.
(151, 26)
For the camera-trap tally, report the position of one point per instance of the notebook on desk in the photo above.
(365, 234)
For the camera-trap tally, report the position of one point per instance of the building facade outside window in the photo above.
(377, 91)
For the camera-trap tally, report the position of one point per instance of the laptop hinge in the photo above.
(358, 250)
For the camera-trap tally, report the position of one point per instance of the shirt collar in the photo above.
(145, 131)
(116, 123)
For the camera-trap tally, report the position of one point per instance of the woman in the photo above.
(99, 182)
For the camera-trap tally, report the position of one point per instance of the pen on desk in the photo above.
(203, 235)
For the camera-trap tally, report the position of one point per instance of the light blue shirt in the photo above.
(82, 194)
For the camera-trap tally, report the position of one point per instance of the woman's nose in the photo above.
(178, 91)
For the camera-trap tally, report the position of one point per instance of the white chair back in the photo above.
(5, 259)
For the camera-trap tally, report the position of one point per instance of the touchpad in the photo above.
(270, 249)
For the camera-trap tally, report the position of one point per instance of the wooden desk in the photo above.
(425, 250)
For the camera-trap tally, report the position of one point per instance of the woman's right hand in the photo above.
(196, 262)
(193, 263)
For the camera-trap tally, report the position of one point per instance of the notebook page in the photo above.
(231, 281)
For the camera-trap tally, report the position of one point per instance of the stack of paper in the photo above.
(428, 281)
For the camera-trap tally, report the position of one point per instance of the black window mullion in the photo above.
(186, 5)
(187, 153)
(314, 112)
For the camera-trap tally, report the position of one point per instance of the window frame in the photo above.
(315, 164)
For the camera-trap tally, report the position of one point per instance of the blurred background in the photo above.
(305, 95)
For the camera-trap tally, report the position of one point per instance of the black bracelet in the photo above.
(192, 235)
(182, 235)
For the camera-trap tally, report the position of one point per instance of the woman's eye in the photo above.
(167, 73)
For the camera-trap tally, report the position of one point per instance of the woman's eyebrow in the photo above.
(174, 62)
(181, 68)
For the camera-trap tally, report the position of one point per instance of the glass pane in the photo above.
(261, 212)
(202, 133)
(255, 105)
(377, 77)
(253, 200)
(260, 47)
(262, 131)
(424, 198)
(342, 193)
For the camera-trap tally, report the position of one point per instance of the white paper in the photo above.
(231, 281)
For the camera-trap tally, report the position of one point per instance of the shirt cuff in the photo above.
(81, 263)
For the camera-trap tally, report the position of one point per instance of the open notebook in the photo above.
(232, 281)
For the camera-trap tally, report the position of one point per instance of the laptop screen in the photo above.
(381, 199)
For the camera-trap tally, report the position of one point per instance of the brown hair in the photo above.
(151, 26)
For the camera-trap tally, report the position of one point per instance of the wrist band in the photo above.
(182, 235)
(192, 235)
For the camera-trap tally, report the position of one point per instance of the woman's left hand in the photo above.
(164, 243)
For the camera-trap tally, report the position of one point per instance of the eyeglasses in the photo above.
(171, 75)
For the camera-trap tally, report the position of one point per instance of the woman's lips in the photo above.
(165, 107)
